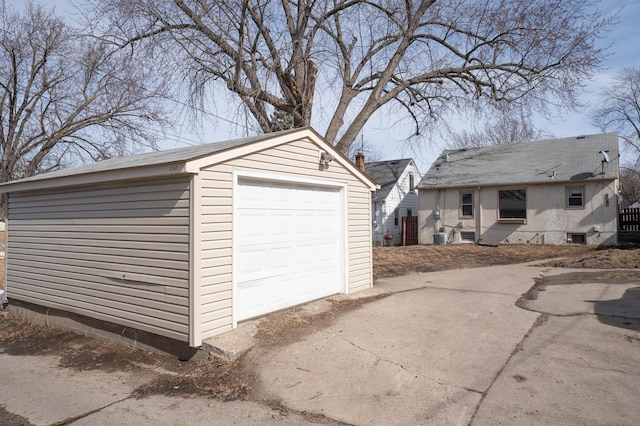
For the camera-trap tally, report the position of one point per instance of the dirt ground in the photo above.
(228, 380)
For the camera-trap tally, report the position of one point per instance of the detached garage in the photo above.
(185, 243)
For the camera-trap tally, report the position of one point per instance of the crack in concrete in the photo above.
(70, 420)
(461, 290)
(312, 417)
(378, 357)
(590, 367)
(542, 318)
(455, 386)
(439, 382)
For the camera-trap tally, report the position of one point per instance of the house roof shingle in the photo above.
(564, 160)
(386, 174)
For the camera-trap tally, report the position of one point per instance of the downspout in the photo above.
(444, 208)
(437, 212)
(479, 220)
(3, 295)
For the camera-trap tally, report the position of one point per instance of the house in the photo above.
(186, 243)
(635, 205)
(547, 192)
(395, 199)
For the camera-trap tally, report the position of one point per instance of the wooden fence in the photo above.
(629, 220)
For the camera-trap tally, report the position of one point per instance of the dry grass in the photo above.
(601, 259)
(396, 261)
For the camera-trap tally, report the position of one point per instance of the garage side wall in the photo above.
(297, 159)
(114, 253)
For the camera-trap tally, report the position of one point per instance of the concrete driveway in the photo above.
(453, 348)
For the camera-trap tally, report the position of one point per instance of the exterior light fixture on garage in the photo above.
(325, 159)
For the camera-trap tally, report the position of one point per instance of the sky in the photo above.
(624, 39)
(388, 143)
(624, 51)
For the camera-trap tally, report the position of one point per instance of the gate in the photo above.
(410, 230)
(629, 220)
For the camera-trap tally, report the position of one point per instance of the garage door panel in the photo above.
(325, 222)
(251, 224)
(325, 198)
(305, 256)
(296, 255)
(281, 294)
(249, 261)
(253, 194)
(304, 198)
(258, 262)
(325, 254)
(250, 292)
(279, 223)
(306, 226)
(278, 260)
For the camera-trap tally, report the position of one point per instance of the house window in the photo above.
(409, 212)
(512, 204)
(575, 196)
(396, 217)
(577, 238)
(466, 204)
(412, 185)
(467, 235)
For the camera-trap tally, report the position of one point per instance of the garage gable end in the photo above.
(326, 154)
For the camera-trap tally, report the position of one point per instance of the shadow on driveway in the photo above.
(586, 292)
(623, 312)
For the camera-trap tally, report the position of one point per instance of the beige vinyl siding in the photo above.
(117, 253)
(297, 159)
(216, 250)
(359, 229)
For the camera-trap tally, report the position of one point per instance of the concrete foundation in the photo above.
(62, 320)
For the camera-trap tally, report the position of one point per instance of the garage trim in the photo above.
(281, 178)
(195, 261)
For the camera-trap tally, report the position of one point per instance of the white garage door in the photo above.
(289, 245)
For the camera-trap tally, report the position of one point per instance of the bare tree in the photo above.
(371, 153)
(629, 185)
(348, 59)
(619, 109)
(65, 99)
(505, 127)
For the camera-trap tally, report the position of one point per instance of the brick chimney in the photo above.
(360, 161)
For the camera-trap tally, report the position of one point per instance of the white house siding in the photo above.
(548, 219)
(298, 159)
(401, 198)
(117, 253)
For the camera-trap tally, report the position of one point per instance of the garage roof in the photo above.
(173, 161)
